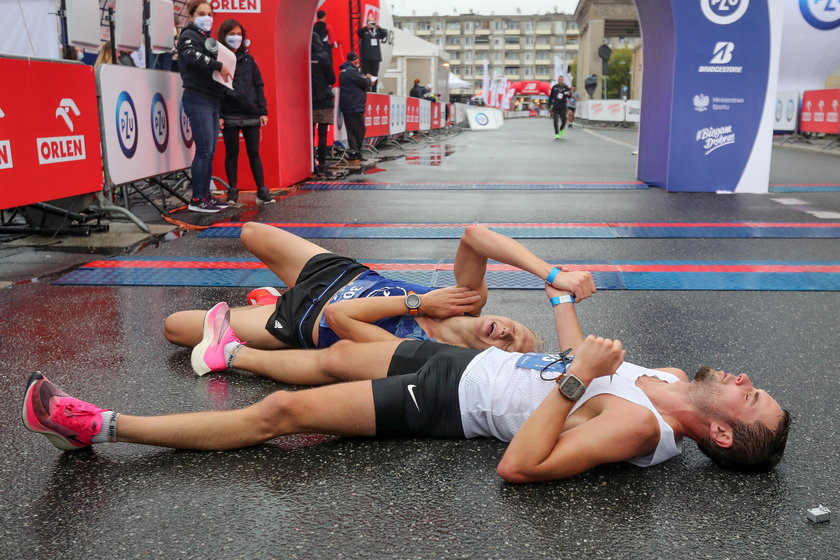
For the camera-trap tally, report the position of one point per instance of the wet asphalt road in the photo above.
(324, 497)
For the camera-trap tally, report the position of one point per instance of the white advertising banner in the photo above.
(484, 118)
(610, 110)
(397, 123)
(145, 129)
(809, 56)
(632, 110)
(460, 113)
(582, 111)
(425, 114)
(787, 111)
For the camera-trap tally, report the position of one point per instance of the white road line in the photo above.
(608, 139)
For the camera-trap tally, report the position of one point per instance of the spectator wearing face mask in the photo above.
(197, 53)
(243, 110)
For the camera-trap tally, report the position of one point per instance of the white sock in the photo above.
(108, 429)
(231, 349)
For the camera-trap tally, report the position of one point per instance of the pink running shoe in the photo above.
(67, 422)
(209, 354)
(263, 296)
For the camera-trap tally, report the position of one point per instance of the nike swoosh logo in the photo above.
(411, 392)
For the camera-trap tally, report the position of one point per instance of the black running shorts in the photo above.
(420, 395)
(298, 308)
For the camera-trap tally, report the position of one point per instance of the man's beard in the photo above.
(704, 393)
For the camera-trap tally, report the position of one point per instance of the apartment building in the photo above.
(518, 47)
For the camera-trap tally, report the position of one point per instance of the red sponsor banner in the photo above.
(377, 115)
(49, 132)
(437, 109)
(450, 113)
(820, 109)
(412, 114)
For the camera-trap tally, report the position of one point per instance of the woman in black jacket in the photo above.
(202, 99)
(243, 110)
(323, 99)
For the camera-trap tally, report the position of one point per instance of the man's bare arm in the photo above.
(541, 450)
(478, 244)
(566, 324)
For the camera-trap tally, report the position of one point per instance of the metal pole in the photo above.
(147, 40)
(113, 39)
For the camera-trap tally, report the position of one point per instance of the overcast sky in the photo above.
(483, 7)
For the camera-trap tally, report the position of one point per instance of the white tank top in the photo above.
(500, 390)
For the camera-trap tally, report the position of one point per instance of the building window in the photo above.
(423, 26)
(543, 26)
(468, 71)
(468, 56)
(529, 71)
(511, 25)
(453, 26)
(497, 56)
(438, 26)
(511, 69)
(497, 42)
(482, 25)
(468, 41)
(529, 56)
(468, 26)
(453, 40)
(499, 25)
(529, 25)
(529, 40)
(559, 26)
(511, 40)
(482, 40)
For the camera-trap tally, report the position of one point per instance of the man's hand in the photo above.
(579, 283)
(449, 302)
(263, 120)
(225, 73)
(597, 357)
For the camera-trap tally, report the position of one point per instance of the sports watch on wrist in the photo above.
(412, 301)
(571, 387)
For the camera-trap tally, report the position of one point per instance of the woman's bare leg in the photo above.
(284, 253)
(186, 328)
(343, 361)
(346, 409)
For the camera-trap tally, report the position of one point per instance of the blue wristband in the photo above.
(552, 275)
(557, 300)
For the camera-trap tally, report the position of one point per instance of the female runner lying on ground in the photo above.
(331, 296)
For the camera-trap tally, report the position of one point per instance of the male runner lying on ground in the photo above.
(537, 402)
(301, 317)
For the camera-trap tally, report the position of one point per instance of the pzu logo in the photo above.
(724, 12)
(160, 123)
(822, 14)
(126, 124)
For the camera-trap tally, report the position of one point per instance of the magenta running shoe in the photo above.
(67, 422)
(209, 354)
(263, 296)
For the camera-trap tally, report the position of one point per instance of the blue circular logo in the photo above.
(482, 119)
(822, 14)
(186, 130)
(724, 12)
(160, 123)
(791, 109)
(126, 124)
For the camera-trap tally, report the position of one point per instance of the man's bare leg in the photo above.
(343, 361)
(186, 328)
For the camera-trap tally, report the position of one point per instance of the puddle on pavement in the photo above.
(433, 155)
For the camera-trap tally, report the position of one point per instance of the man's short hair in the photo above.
(351, 56)
(321, 14)
(755, 447)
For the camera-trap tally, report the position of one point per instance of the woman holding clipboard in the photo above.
(197, 55)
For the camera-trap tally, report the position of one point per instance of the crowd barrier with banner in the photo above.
(484, 118)
(49, 131)
(425, 114)
(633, 110)
(820, 110)
(412, 114)
(146, 130)
(398, 114)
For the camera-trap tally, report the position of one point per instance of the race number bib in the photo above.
(552, 364)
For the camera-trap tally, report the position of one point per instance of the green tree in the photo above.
(619, 67)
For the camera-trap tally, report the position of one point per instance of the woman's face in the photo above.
(202, 10)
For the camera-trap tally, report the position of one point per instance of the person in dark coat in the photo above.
(243, 110)
(323, 98)
(202, 99)
(352, 102)
(370, 38)
(417, 90)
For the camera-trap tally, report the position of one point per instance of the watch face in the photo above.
(412, 301)
(571, 387)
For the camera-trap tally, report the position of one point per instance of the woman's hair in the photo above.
(106, 55)
(227, 26)
(193, 6)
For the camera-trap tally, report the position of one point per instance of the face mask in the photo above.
(234, 41)
(80, 55)
(205, 23)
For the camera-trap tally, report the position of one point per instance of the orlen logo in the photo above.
(58, 149)
(126, 123)
(246, 6)
(724, 12)
(822, 14)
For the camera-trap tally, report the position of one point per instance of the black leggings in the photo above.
(252, 146)
(561, 114)
(322, 144)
